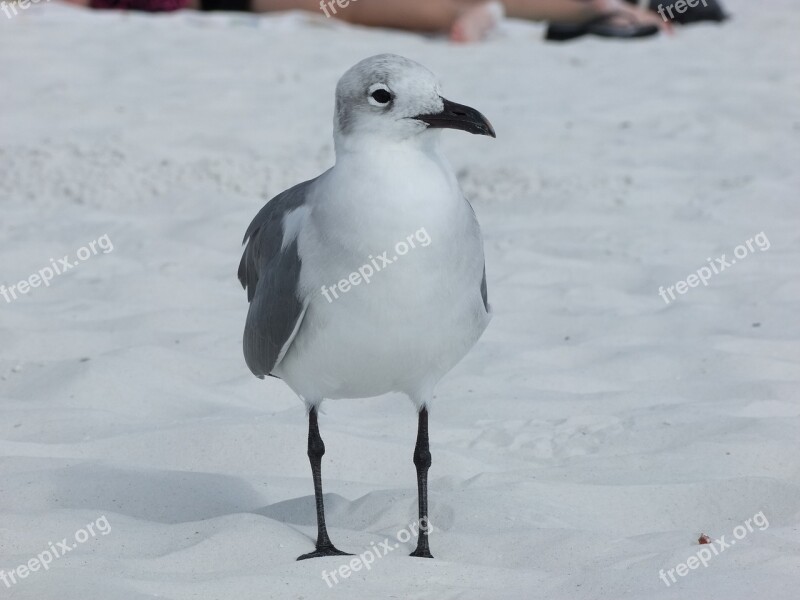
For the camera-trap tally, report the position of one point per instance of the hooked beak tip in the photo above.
(459, 116)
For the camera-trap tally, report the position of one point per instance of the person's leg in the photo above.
(419, 15)
(281, 5)
(466, 20)
(438, 15)
(577, 11)
(551, 10)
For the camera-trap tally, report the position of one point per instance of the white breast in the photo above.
(419, 314)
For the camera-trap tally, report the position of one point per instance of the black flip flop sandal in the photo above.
(692, 12)
(601, 26)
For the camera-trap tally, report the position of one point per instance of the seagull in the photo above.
(323, 322)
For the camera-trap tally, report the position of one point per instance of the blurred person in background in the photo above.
(462, 20)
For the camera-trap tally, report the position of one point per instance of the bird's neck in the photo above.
(364, 147)
(390, 186)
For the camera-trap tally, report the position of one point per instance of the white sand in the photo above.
(582, 446)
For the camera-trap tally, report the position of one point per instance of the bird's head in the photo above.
(397, 99)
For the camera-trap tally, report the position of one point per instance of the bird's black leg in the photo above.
(422, 460)
(316, 448)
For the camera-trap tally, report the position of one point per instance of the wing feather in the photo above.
(270, 272)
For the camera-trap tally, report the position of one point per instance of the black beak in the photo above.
(458, 116)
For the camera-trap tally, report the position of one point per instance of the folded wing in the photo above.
(270, 272)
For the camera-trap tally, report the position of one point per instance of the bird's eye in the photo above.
(381, 96)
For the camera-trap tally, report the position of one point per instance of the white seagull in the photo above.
(405, 324)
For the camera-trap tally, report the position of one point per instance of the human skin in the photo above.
(466, 20)
(440, 15)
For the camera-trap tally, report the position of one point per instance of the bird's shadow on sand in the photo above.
(302, 511)
(169, 496)
(152, 495)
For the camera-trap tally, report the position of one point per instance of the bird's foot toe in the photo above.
(422, 553)
(330, 550)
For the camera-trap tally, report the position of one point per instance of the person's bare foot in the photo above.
(627, 13)
(474, 23)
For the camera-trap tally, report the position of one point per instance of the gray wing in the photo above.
(270, 274)
(485, 291)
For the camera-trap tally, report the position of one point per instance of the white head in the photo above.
(395, 98)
